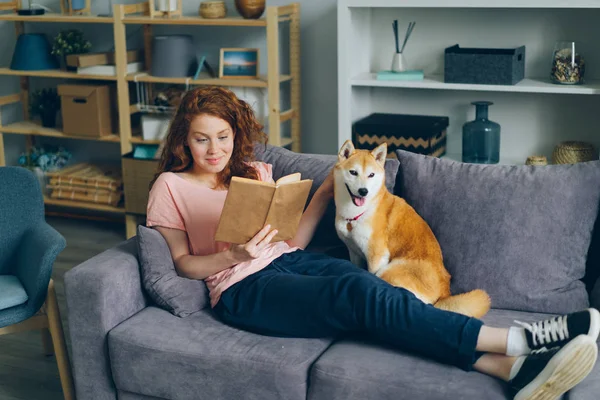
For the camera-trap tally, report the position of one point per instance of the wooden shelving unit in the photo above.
(126, 137)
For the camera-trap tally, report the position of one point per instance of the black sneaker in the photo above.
(558, 331)
(547, 375)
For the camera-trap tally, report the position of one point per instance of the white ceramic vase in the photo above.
(398, 63)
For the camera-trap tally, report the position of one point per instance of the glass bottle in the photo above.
(481, 137)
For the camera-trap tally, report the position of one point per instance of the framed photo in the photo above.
(238, 63)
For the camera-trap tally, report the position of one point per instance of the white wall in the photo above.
(318, 69)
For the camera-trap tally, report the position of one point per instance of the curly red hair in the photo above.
(222, 103)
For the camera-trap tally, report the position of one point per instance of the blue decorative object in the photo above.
(32, 52)
(481, 137)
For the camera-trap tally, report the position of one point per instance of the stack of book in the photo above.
(410, 75)
(87, 183)
(104, 63)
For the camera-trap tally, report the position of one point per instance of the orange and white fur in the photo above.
(385, 232)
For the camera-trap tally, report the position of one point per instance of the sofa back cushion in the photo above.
(315, 167)
(176, 294)
(521, 233)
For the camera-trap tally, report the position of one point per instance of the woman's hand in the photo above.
(254, 247)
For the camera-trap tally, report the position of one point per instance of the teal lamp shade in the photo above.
(32, 52)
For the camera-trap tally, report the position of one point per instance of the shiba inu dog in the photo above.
(385, 232)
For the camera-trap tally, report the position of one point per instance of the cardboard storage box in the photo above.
(137, 175)
(87, 110)
(420, 134)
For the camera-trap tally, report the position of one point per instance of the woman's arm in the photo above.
(201, 267)
(190, 266)
(313, 214)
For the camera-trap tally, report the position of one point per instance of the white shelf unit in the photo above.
(535, 114)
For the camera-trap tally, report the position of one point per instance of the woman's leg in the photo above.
(302, 299)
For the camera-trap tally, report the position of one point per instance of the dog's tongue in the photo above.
(358, 201)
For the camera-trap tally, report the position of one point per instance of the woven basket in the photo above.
(572, 152)
(213, 9)
(536, 160)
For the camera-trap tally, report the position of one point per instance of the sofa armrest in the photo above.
(101, 293)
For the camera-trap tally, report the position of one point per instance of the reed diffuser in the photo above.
(398, 61)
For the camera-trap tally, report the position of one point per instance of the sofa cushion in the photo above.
(176, 294)
(522, 233)
(387, 373)
(154, 353)
(315, 167)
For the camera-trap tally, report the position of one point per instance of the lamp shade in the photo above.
(32, 52)
(173, 56)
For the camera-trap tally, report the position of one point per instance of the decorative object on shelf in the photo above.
(158, 101)
(72, 7)
(46, 104)
(572, 151)
(568, 66)
(33, 53)
(239, 63)
(213, 9)
(41, 160)
(484, 65)
(49, 158)
(67, 42)
(165, 8)
(166, 48)
(536, 160)
(422, 134)
(398, 60)
(250, 9)
(481, 137)
(204, 65)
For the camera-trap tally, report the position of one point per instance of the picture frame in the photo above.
(239, 63)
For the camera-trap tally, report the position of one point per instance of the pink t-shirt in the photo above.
(177, 203)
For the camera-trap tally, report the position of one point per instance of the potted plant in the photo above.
(70, 41)
(46, 104)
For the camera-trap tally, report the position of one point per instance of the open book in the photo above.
(251, 204)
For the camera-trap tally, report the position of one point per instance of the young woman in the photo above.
(280, 289)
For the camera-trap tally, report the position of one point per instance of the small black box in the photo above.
(420, 134)
(484, 66)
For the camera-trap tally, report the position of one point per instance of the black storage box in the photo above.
(484, 66)
(420, 134)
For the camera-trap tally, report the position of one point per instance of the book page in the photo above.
(288, 178)
(246, 208)
(287, 208)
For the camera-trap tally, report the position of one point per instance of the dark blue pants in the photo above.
(304, 294)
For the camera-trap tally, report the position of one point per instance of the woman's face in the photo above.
(210, 140)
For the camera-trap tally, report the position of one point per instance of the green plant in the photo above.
(70, 41)
(44, 101)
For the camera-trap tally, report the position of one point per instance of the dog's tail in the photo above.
(475, 303)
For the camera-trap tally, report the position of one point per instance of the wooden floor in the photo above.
(25, 372)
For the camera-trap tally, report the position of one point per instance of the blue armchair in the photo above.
(28, 249)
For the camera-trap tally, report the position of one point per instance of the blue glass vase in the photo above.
(481, 137)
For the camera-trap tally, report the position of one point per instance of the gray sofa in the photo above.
(125, 346)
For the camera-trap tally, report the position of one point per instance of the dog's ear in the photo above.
(346, 151)
(380, 153)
